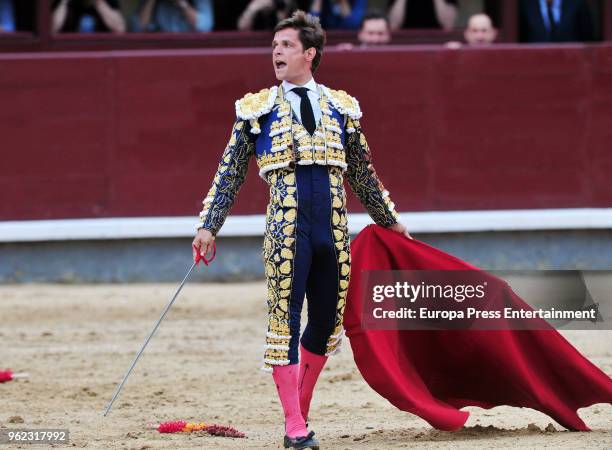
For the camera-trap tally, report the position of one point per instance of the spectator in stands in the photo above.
(423, 14)
(175, 15)
(87, 16)
(374, 30)
(479, 32)
(265, 14)
(556, 21)
(339, 14)
(7, 16)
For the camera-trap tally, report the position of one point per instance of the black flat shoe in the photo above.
(307, 441)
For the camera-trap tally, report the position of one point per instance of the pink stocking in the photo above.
(311, 365)
(286, 378)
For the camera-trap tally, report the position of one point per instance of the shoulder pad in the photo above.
(252, 106)
(343, 102)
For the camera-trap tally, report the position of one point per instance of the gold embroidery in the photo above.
(279, 124)
(252, 106)
(272, 159)
(343, 254)
(278, 254)
(344, 103)
(230, 175)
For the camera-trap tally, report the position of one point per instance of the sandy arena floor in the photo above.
(203, 364)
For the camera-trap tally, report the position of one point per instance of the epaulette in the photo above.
(343, 102)
(253, 106)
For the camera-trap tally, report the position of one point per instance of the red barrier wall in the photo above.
(139, 133)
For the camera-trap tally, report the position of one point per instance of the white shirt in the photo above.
(294, 99)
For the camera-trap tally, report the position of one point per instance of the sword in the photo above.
(166, 309)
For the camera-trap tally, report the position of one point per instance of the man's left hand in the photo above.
(401, 229)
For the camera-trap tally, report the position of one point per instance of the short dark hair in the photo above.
(374, 15)
(311, 33)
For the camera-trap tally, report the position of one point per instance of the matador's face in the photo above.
(291, 62)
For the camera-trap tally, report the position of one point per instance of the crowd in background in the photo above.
(373, 20)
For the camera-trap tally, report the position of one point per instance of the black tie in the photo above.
(305, 109)
(551, 20)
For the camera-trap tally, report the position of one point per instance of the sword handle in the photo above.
(203, 258)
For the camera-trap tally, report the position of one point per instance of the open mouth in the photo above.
(280, 64)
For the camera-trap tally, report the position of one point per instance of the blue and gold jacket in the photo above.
(266, 128)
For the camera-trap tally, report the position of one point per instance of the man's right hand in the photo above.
(202, 242)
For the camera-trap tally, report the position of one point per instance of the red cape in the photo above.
(434, 373)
